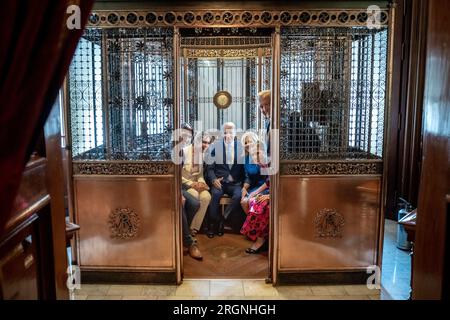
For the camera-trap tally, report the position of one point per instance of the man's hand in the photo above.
(243, 193)
(217, 183)
(202, 186)
(194, 185)
(183, 200)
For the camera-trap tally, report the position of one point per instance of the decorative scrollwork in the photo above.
(362, 17)
(94, 19)
(227, 17)
(113, 18)
(122, 168)
(208, 18)
(332, 168)
(170, 18)
(343, 17)
(383, 17)
(324, 17)
(329, 223)
(235, 18)
(132, 18)
(124, 223)
(151, 18)
(305, 17)
(246, 17)
(266, 17)
(285, 17)
(223, 53)
(189, 18)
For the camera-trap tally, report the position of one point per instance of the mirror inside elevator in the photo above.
(222, 72)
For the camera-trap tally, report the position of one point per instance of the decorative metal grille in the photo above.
(235, 18)
(206, 77)
(121, 94)
(333, 90)
(239, 64)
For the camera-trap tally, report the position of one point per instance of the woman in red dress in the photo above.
(256, 226)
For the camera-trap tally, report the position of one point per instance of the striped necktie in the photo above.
(230, 155)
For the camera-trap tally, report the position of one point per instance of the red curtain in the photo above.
(36, 48)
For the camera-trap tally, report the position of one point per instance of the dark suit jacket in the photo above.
(268, 138)
(220, 169)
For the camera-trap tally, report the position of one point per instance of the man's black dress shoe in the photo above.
(220, 229)
(210, 232)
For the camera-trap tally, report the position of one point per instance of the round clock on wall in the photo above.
(222, 99)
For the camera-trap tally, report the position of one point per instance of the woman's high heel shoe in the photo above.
(263, 247)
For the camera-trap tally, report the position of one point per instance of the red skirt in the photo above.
(257, 223)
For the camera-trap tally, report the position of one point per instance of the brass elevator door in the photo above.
(239, 63)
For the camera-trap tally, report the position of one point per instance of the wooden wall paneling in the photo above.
(56, 187)
(431, 234)
(392, 145)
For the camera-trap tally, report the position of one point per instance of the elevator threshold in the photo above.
(225, 258)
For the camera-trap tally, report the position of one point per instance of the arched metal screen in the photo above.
(333, 91)
(121, 94)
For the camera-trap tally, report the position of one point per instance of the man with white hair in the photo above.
(226, 174)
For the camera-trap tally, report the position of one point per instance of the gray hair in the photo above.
(228, 125)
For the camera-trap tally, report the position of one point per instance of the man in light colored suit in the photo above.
(193, 180)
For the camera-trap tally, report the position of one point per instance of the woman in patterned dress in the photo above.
(256, 225)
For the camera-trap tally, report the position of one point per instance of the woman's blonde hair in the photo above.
(249, 134)
(264, 94)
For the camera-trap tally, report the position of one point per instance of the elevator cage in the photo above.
(121, 94)
(137, 75)
(333, 93)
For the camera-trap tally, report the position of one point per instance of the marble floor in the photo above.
(396, 265)
(395, 285)
(226, 290)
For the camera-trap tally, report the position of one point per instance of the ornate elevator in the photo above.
(137, 74)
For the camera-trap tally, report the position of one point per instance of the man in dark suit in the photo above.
(265, 101)
(225, 171)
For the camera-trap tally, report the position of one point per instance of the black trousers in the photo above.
(191, 206)
(234, 211)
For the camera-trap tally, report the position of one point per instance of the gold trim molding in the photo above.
(332, 168)
(122, 168)
(224, 53)
(234, 18)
